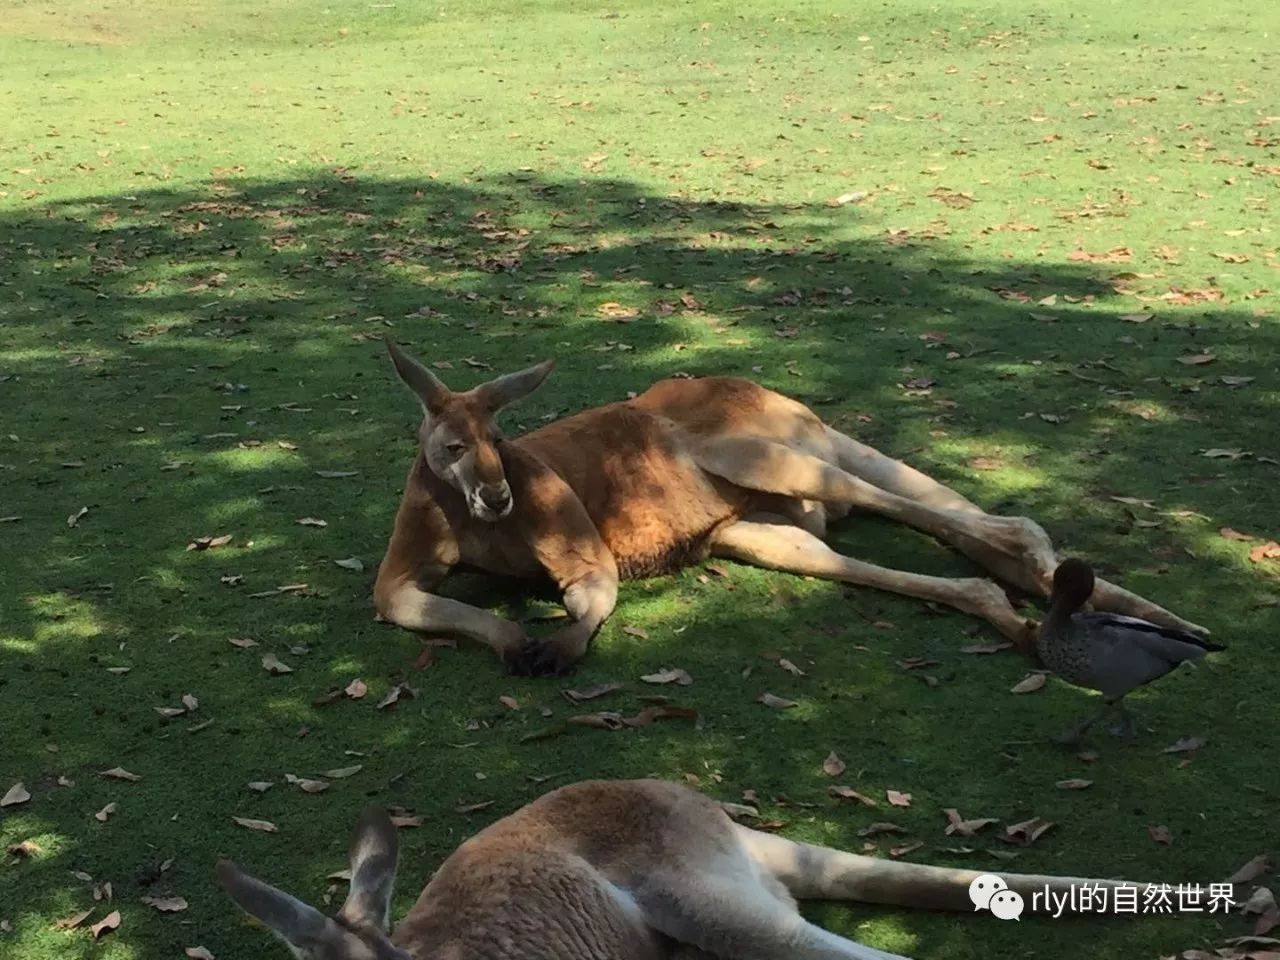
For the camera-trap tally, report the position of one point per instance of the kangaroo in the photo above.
(690, 468)
(611, 870)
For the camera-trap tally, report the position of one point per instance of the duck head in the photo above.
(1072, 583)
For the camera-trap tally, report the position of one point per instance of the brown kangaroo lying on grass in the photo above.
(690, 468)
(611, 870)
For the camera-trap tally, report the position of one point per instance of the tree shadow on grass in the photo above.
(187, 363)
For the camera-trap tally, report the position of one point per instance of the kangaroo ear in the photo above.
(303, 928)
(512, 386)
(425, 384)
(375, 848)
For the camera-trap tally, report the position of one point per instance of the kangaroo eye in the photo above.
(455, 448)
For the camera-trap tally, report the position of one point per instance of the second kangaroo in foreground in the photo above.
(611, 870)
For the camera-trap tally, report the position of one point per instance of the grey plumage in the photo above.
(1107, 652)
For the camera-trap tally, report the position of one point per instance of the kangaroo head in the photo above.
(359, 930)
(458, 433)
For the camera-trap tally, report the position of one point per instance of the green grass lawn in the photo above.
(210, 213)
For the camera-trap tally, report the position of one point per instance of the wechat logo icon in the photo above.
(989, 892)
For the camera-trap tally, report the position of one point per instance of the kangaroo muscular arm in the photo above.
(567, 545)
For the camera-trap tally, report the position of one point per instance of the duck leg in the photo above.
(1071, 736)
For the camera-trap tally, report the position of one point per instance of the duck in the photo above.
(1107, 652)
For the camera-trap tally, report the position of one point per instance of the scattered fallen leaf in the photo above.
(1267, 551)
(739, 810)
(244, 643)
(394, 694)
(198, 953)
(1074, 783)
(102, 815)
(511, 703)
(75, 517)
(898, 799)
(635, 632)
(356, 689)
(790, 667)
(1197, 359)
(312, 522)
(1028, 684)
(1160, 835)
(848, 793)
(24, 850)
(1251, 870)
(777, 703)
(266, 826)
(106, 924)
(876, 829)
(1136, 317)
(1235, 381)
(209, 543)
(73, 921)
(1186, 744)
(902, 851)
(166, 904)
(591, 693)
(337, 474)
(405, 821)
(473, 807)
(120, 773)
(1027, 832)
(260, 786)
(959, 826)
(1229, 534)
(833, 766)
(351, 563)
(672, 675)
(985, 647)
(341, 773)
(274, 666)
(305, 785)
(15, 795)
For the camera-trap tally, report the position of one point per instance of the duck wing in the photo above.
(1124, 653)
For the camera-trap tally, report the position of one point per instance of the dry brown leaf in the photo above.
(833, 766)
(650, 714)
(102, 815)
(905, 849)
(244, 643)
(170, 712)
(266, 826)
(591, 693)
(1136, 317)
(876, 829)
(1197, 359)
(959, 826)
(15, 795)
(1027, 832)
(1267, 551)
(274, 666)
(108, 923)
(1251, 870)
(120, 773)
(312, 522)
(776, 703)
(1074, 783)
(190, 702)
(1161, 834)
(1028, 684)
(198, 953)
(511, 703)
(341, 773)
(1229, 534)
(260, 786)
(74, 519)
(898, 799)
(985, 647)
(670, 675)
(394, 694)
(351, 563)
(790, 667)
(337, 474)
(635, 632)
(405, 822)
(473, 807)
(24, 850)
(356, 689)
(166, 904)
(1186, 744)
(848, 793)
(306, 785)
(73, 921)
